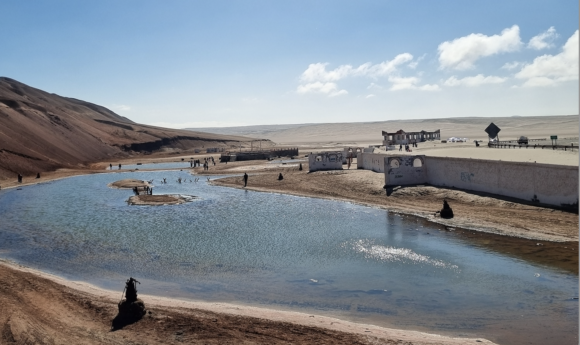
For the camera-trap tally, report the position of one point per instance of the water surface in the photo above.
(287, 252)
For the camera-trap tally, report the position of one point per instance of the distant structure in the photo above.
(232, 156)
(325, 161)
(215, 149)
(401, 137)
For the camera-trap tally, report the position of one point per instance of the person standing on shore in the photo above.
(245, 180)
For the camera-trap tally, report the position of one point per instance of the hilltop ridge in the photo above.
(41, 131)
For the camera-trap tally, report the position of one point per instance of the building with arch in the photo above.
(401, 137)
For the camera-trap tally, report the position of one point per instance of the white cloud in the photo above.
(461, 53)
(511, 65)
(388, 67)
(477, 80)
(121, 107)
(316, 79)
(317, 71)
(548, 70)
(543, 40)
(413, 64)
(329, 89)
(410, 83)
(370, 96)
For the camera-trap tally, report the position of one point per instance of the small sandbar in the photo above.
(157, 200)
(128, 184)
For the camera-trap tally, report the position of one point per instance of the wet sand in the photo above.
(36, 307)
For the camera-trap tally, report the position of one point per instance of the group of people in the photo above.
(407, 148)
(148, 190)
(206, 162)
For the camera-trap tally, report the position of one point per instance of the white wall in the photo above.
(325, 161)
(550, 184)
(403, 170)
(371, 161)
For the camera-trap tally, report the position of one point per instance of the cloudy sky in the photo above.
(228, 63)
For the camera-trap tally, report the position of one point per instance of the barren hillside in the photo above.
(40, 131)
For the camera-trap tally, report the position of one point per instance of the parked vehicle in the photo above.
(523, 140)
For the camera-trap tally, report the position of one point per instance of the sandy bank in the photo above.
(473, 210)
(128, 184)
(37, 307)
(157, 200)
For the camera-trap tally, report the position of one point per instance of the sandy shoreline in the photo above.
(509, 218)
(164, 310)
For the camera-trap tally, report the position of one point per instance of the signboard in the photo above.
(553, 137)
(492, 130)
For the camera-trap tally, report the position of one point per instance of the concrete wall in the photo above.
(545, 183)
(550, 184)
(405, 170)
(350, 152)
(325, 161)
(371, 161)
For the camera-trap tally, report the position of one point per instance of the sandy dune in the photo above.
(370, 132)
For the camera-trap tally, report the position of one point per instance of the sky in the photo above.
(192, 64)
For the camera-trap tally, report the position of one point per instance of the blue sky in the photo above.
(225, 63)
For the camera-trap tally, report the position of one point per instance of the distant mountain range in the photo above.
(40, 131)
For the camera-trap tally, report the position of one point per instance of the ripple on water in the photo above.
(266, 248)
(392, 254)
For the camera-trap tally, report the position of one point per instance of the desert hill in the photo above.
(370, 132)
(40, 131)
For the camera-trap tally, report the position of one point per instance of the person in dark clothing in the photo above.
(280, 177)
(245, 179)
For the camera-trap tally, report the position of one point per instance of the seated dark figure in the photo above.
(131, 309)
(446, 212)
(280, 177)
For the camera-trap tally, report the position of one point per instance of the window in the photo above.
(417, 163)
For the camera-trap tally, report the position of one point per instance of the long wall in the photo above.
(544, 183)
(371, 161)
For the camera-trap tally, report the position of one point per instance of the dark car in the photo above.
(523, 140)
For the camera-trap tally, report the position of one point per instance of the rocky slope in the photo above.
(40, 131)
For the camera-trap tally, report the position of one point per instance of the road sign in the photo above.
(492, 130)
(553, 137)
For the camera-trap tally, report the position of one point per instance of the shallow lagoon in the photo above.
(287, 252)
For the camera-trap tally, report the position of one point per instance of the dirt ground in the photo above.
(472, 210)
